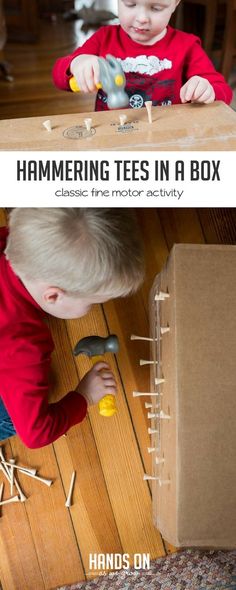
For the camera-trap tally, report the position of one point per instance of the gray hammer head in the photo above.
(113, 82)
(96, 345)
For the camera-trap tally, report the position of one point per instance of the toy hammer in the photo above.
(112, 82)
(95, 347)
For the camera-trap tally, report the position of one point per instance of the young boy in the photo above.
(59, 261)
(161, 64)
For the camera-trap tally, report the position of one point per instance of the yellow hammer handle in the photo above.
(106, 405)
(74, 86)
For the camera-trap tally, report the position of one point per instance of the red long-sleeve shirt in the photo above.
(153, 72)
(26, 346)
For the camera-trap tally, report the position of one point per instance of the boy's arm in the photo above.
(24, 391)
(199, 64)
(61, 70)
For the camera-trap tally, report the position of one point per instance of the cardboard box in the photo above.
(197, 359)
(184, 127)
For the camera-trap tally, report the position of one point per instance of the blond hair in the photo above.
(84, 251)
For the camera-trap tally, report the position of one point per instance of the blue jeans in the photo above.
(6, 427)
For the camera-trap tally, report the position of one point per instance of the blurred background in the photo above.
(33, 33)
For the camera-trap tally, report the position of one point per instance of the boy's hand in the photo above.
(197, 89)
(85, 69)
(99, 381)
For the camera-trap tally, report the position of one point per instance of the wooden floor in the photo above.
(43, 544)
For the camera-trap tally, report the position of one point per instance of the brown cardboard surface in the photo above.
(179, 127)
(197, 359)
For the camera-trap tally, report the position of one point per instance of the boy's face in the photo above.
(144, 21)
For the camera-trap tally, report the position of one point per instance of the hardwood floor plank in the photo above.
(67, 378)
(17, 571)
(49, 519)
(91, 513)
(218, 225)
(119, 456)
(123, 322)
(19, 565)
(126, 317)
(181, 226)
(3, 217)
(155, 246)
(130, 316)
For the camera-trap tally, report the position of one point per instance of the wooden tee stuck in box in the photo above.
(194, 493)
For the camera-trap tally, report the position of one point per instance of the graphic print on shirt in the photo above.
(145, 64)
(143, 82)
